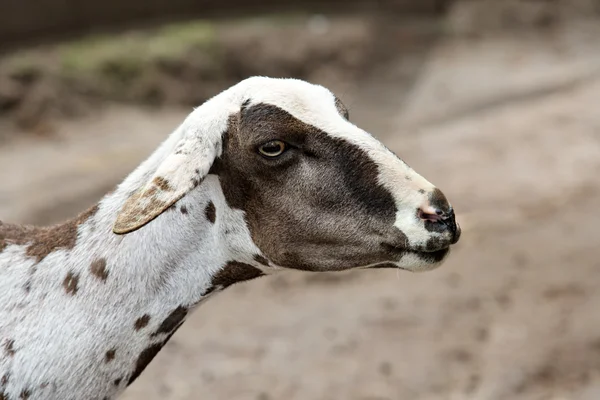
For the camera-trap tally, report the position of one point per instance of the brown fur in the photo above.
(346, 198)
(172, 321)
(211, 212)
(141, 322)
(261, 260)
(144, 359)
(110, 355)
(70, 283)
(233, 272)
(43, 241)
(98, 269)
(162, 184)
(9, 347)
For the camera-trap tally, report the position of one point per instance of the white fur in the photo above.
(60, 340)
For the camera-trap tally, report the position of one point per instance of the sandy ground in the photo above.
(512, 138)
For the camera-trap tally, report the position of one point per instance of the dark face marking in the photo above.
(141, 322)
(9, 347)
(110, 355)
(70, 283)
(117, 381)
(43, 241)
(143, 360)
(5, 379)
(25, 394)
(334, 214)
(183, 209)
(98, 269)
(211, 212)
(174, 319)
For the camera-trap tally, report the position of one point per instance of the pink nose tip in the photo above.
(429, 213)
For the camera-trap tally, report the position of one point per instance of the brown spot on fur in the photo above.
(44, 385)
(143, 360)
(110, 355)
(162, 184)
(3, 396)
(141, 322)
(172, 321)
(25, 394)
(260, 259)
(9, 347)
(43, 241)
(117, 381)
(5, 379)
(235, 272)
(70, 283)
(98, 269)
(183, 209)
(211, 212)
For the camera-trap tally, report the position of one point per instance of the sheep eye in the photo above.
(272, 149)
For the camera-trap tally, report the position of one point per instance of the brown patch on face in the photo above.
(334, 213)
(174, 319)
(43, 241)
(162, 184)
(25, 394)
(5, 379)
(141, 322)
(9, 347)
(70, 283)
(110, 355)
(211, 212)
(261, 260)
(143, 360)
(183, 209)
(98, 269)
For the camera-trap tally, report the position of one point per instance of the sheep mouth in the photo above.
(431, 256)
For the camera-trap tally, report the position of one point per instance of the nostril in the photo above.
(430, 214)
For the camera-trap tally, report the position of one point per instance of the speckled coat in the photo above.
(267, 175)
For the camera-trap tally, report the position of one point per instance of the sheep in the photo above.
(266, 176)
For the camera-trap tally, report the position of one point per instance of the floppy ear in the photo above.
(180, 172)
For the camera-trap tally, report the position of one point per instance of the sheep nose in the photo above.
(430, 213)
(439, 220)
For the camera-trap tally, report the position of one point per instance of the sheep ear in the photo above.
(179, 173)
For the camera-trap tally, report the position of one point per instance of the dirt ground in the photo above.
(508, 128)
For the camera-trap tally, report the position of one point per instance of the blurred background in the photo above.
(497, 102)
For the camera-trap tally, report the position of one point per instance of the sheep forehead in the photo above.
(315, 105)
(309, 103)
